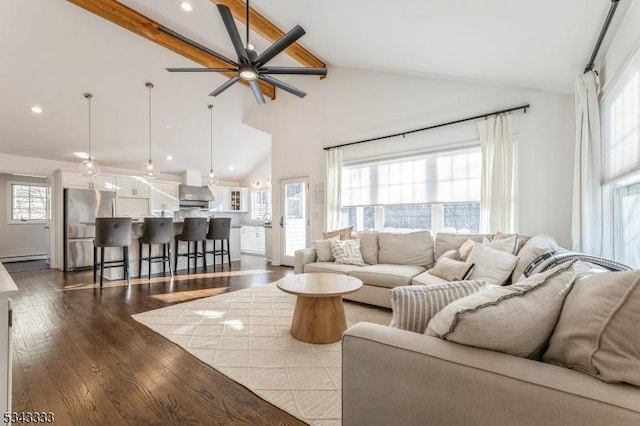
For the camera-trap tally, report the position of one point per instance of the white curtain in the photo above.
(586, 220)
(333, 178)
(497, 179)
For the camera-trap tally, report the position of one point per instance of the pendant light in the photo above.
(89, 167)
(149, 170)
(212, 178)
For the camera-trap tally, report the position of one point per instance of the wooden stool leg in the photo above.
(204, 254)
(176, 245)
(228, 254)
(169, 259)
(149, 262)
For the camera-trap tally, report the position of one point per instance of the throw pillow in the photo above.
(598, 331)
(521, 240)
(451, 270)
(534, 247)
(465, 249)
(347, 252)
(451, 254)
(413, 248)
(343, 233)
(491, 265)
(516, 320)
(414, 305)
(323, 251)
(507, 245)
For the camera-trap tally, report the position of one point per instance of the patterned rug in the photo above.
(245, 335)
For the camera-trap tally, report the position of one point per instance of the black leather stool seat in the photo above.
(111, 232)
(194, 229)
(156, 230)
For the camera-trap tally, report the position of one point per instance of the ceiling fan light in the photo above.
(248, 73)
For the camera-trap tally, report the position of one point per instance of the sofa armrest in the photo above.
(392, 376)
(302, 257)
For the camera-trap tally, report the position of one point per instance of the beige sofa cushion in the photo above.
(329, 267)
(446, 241)
(368, 246)
(599, 328)
(383, 275)
(451, 270)
(516, 320)
(414, 248)
(323, 250)
(413, 306)
(426, 278)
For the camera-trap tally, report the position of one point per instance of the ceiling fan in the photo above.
(250, 66)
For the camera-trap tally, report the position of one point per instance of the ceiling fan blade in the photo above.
(233, 80)
(278, 46)
(281, 84)
(230, 24)
(294, 70)
(257, 91)
(196, 45)
(200, 69)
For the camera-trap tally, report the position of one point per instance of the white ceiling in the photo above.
(53, 51)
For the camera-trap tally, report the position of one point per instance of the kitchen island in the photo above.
(156, 267)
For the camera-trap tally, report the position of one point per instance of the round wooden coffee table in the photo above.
(319, 313)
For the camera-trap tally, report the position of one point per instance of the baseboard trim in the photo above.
(10, 259)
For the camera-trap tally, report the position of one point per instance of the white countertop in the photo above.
(7, 287)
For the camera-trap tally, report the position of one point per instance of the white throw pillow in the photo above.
(491, 265)
(323, 250)
(347, 252)
(507, 245)
(451, 270)
(414, 305)
(516, 320)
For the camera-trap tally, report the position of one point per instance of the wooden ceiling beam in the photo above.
(269, 31)
(124, 16)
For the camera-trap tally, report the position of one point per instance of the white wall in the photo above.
(19, 239)
(355, 104)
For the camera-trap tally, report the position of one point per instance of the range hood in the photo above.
(194, 196)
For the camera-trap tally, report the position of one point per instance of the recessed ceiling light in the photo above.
(232, 168)
(186, 6)
(36, 109)
(168, 126)
(169, 157)
(82, 155)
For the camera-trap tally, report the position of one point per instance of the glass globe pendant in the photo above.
(149, 170)
(89, 167)
(211, 177)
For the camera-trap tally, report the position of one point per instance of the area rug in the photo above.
(245, 335)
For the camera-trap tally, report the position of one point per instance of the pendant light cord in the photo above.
(211, 134)
(89, 96)
(150, 86)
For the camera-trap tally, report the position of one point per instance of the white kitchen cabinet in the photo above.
(267, 243)
(7, 290)
(132, 187)
(229, 200)
(164, 196)
(252, 239)
(78, 181)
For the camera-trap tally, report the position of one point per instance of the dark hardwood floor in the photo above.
(79, 354)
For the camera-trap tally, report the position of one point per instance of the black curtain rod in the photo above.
(603, 32)
(435, 126)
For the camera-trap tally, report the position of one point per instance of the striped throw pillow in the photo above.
(347, 252)
(414, 305)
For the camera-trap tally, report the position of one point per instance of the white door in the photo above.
(295, 218)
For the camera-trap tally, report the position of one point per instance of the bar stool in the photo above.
(156, 230)
(194, 229)
(111, 232)
(219, 230)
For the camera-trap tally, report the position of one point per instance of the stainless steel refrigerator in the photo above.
(81, 208)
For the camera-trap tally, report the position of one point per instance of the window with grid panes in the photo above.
(28, 202)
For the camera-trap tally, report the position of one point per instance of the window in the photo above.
(438, 191)
(28, 202)
(261, 205)
(621, 164)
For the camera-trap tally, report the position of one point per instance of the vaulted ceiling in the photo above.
(53, 51)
